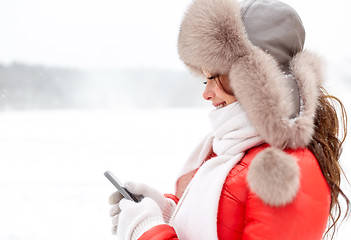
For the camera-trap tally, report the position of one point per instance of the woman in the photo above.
(269, 168)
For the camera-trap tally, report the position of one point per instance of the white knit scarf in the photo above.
(196, 214)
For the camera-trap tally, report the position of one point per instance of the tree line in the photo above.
(25, 87)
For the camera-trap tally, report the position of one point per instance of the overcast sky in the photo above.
(138, 33)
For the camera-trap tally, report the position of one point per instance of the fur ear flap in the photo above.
(274, 176)
(260, 87)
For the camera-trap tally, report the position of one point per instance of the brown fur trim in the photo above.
(274, 177)
(260, 88)
(212, 36)
(307, 69)
(258, 84)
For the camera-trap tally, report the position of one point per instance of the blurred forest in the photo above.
(24, 87)
(28, 87)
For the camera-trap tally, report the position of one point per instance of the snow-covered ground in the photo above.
(52, 164)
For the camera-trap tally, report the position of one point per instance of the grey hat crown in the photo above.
(275, 27)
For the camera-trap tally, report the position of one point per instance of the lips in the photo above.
(220, 105)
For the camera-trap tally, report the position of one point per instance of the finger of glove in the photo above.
(137, 188)
(114, 230)
(114, 210)
(115, 198)
(146, 205)
(146, 191)
(115, 220)
(125, 203)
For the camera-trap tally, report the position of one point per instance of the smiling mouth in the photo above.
(220, 105)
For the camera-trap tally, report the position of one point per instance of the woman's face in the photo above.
(215, 93)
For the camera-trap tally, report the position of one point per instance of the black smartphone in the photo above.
(125, 193)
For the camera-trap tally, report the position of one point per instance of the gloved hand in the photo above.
(114, 200)
(133, 219)
(166, 205)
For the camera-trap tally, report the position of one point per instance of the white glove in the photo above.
(114, 200)
(134, 218)
(166, 205)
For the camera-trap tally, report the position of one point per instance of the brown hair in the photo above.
(223, 82)
(326, 146)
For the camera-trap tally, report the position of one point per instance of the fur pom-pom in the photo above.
(274, 176)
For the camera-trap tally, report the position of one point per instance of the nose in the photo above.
(208, 93)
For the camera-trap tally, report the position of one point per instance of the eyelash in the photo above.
(210, 78)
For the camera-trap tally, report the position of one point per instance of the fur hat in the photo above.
(264, 60)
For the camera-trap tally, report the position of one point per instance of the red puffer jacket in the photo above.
(242, 215)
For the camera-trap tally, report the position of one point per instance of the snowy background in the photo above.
(52, 160)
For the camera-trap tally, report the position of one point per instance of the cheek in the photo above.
(231, 99)
(226, 97)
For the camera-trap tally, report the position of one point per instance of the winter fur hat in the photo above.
(259, 45)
